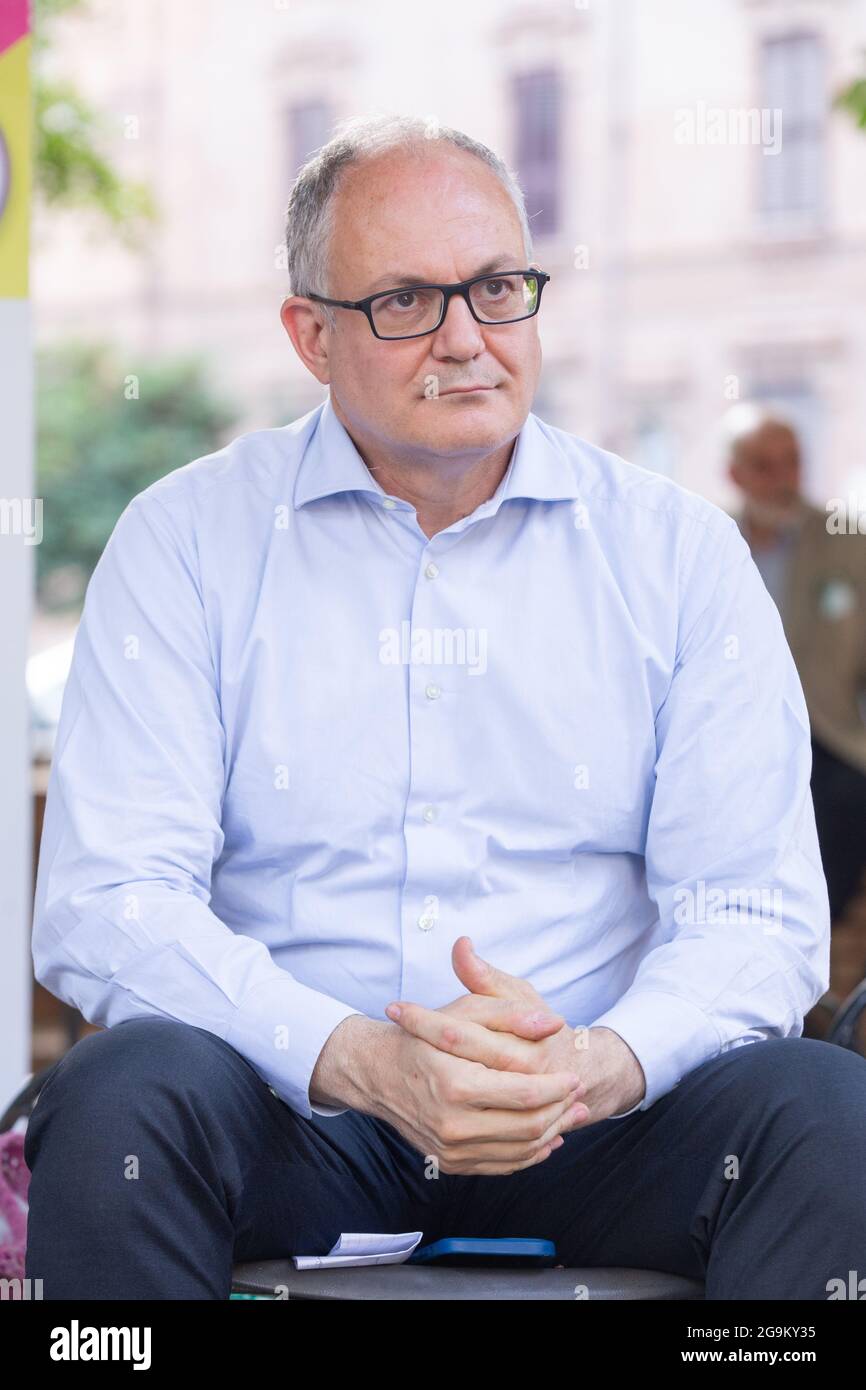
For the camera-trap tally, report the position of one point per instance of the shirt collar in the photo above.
(538, 468)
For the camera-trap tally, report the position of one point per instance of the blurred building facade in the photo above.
(704, 248)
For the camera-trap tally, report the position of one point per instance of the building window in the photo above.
(793, 81)
(537, 103)
(309, 127)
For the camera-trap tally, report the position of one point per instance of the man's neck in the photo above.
(441, 489)
(444, 493)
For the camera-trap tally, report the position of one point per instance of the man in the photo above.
(814, 565)
(414, 675)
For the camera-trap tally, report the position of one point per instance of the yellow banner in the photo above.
(15, 170)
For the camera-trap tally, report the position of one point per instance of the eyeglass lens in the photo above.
(494, 300)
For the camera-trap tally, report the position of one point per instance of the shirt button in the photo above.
(426, 923)
(429, 813)
(432, 570)
(432, 692)
(389, 503)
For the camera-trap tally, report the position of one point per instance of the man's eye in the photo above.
(496, 288)
(406, 299)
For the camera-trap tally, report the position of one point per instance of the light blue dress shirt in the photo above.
(304, 747)
(773, 563)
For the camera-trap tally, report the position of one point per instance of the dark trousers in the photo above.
(839, 798)
(159, 1156)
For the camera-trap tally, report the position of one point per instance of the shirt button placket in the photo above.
(429, 710)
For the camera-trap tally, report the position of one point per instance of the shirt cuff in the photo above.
(622, 1114)
(669, 1036)
(280, 1027)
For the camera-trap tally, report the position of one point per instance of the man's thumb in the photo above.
(479, 976)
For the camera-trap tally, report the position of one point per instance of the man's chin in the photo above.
(485, 417)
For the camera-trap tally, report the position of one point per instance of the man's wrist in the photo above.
(342, 1074)
(630, 1082)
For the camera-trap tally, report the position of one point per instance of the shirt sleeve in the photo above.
(123, 926)
(732, 857)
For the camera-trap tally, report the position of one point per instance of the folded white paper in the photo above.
(356, 1248)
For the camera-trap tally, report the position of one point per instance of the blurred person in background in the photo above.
(815, 570)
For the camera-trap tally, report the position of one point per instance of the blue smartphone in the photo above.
(512, 1251)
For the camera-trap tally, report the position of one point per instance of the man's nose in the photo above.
(459, 334)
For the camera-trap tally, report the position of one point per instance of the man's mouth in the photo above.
(465, 390)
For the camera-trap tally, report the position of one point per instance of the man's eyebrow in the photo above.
(395, 281)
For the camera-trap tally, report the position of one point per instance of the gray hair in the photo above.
(311, 209)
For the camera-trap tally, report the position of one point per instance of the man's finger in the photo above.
(489, 1085)
(506, 1127)
(463, 1037)
(480, 977)
(522, 1019)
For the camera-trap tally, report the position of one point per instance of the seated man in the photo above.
(414, 676)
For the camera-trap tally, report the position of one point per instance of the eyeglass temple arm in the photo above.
(338, 303)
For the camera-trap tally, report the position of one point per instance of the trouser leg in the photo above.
(750, 1174)
(159, 1157)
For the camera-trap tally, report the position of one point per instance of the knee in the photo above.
(126, 1066)
(817, 1086)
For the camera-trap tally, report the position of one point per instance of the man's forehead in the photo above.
(392, 240)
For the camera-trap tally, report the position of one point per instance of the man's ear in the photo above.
(304, 323)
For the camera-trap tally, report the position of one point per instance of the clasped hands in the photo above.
(503, 1024)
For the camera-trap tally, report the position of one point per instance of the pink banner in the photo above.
(14, 22)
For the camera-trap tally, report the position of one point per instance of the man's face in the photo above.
(438, 217)
(765, 466)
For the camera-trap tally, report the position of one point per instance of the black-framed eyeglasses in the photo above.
(413, 310)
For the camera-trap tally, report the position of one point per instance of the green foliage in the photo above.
(853, 100)
(70, 170)
(71, 167)
(97, 449)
